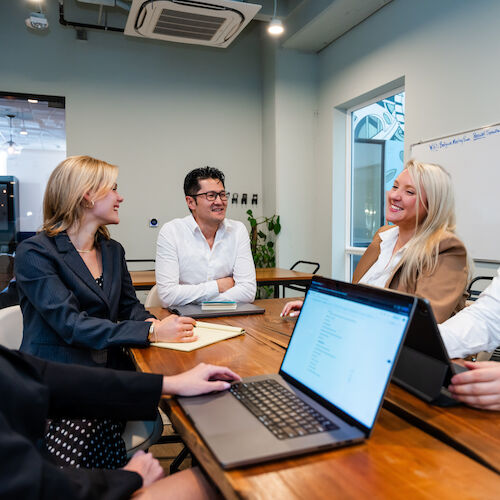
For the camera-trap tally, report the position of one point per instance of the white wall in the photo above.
(296, 128)
(445, 53)
(155, 109)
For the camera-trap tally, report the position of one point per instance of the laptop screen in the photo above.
(344, 346)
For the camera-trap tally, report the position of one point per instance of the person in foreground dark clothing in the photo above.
(34, 390)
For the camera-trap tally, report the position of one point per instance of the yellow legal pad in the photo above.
(207, 333)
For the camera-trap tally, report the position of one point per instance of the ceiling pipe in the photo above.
(73, 24)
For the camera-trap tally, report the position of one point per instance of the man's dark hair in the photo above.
(191, 182)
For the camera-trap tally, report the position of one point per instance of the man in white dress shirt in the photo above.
(204, 256)
(476, 328)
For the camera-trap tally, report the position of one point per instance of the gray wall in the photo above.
(445, 52)
(155, 109)
(273, 120)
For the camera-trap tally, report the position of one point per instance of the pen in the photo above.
(173, 310)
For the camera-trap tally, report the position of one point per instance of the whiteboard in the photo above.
(473, 160)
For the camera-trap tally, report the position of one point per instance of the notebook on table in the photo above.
(207, 333)
(330, 386)
(424, 367)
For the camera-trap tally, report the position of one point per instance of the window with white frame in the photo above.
(375, 152)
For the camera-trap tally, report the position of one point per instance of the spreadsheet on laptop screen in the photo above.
(344, 351)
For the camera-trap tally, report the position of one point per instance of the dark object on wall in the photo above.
(9, 213)
(254, 199)
(234, 199)
(244, 199)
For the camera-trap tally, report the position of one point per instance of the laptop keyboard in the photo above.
(281, 411)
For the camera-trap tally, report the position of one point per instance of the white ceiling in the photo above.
(45, 125)
(316, 23)
(310, 25)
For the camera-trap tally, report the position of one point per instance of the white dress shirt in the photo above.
(187, 269)
(477, 327)
(383, 268)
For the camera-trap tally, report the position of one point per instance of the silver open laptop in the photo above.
(330, 386)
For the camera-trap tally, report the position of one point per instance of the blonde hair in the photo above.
(421, 255)
(71, 180)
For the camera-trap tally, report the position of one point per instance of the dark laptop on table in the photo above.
(330, 386)
(195, 311)
(423, 367)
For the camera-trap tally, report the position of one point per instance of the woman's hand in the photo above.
(146, 466)
(480, 386)
(199, 380)
(175, 329)
(292, 308)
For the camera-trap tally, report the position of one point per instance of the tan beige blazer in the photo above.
(444, 288)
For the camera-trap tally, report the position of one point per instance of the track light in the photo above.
(275, 27)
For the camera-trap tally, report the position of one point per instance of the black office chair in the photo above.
(474, 293)
(302, 288)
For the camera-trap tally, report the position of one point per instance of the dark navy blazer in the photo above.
(67, 316)
(33, 390)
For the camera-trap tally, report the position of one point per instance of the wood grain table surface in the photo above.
(401, 459)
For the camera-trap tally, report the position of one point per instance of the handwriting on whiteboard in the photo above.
(450, 142)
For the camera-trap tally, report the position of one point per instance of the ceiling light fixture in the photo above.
(23, 130)
(275, 27)
(10, 143)
(37, 20)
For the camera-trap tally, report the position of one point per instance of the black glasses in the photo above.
(212, 195)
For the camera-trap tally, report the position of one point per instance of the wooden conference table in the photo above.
(273, 276)
(409, 454)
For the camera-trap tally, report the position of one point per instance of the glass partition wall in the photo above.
(32, 143)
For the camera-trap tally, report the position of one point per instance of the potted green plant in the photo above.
(263, 232)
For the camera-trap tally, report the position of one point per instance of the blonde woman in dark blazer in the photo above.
(78, 302)
(419, 253)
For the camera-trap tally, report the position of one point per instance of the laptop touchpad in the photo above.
(219, 414)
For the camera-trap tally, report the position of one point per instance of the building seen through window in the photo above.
(377, 154)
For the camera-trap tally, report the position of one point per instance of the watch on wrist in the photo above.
(152, 334)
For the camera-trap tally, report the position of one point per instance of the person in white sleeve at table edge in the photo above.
(204, 256)
(476, 328)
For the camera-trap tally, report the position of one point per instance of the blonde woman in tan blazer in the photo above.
(419, 253)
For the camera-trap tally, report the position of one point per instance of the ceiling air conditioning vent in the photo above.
(216, 23)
